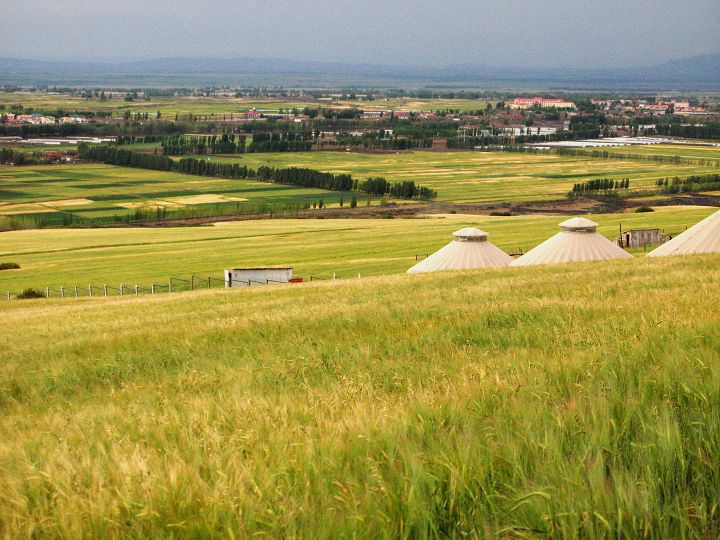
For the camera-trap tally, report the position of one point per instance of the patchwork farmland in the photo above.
(483, 177)
(103, 191)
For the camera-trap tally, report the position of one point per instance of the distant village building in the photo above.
(632, 238)
(73, 119)
(542, 102)
(374, 115)
(654, 108)
(33, 119)
(252, 114)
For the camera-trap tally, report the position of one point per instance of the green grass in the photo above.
(573, 401)
(102, 191)
(313, 247)
(481, 177)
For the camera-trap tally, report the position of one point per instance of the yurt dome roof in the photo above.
(469, 250)
(567, 246)
(703, 237)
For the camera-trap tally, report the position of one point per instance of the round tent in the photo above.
(703, 237)
(577, 241)
(469, 250)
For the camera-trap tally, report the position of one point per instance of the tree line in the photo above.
(280, 142)
(711, 130)
(600, 184)
(9, 156)
(180, 145)
(694, 184)
(295, 176)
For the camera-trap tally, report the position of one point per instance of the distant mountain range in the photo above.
(697, 72)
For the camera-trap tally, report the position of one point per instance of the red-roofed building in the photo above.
(543, 102)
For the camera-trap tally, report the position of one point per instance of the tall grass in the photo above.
(571, 401)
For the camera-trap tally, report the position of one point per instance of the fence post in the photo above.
(76, 291)
(136, 288)
(192, 283)
(208, 282)
(358, 275)
(90, 289)
(47, 292)
(170, 286)
(121, 289)
(153, 289)
(62, 291)
(105, 289)
(334, 275)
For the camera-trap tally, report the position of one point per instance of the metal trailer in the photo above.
(246, 277)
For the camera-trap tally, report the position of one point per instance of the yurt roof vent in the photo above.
(578, 224)
(470, 234)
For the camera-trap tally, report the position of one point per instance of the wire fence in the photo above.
(173, 285)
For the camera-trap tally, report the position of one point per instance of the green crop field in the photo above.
(481, 177)
(103, 191)
(576, 401)
(313, 247)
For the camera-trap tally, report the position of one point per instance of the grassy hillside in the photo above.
(314, 247)
(573, 401)
(481, 177)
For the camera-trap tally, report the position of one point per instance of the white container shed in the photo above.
(245, 277)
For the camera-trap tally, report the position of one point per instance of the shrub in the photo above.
(641, 209)
(501, 213)
(9, 266)
(30, 293)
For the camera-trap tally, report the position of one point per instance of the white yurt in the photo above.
(470, 249)
(577, 241)
(703, 237)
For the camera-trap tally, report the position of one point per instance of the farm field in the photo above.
(169, 106)
(313, 247)
(102, 191)
(682, 150)
(573, 401)
(166, 105)
(480, 177)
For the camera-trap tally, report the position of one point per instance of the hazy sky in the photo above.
(543, 33)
